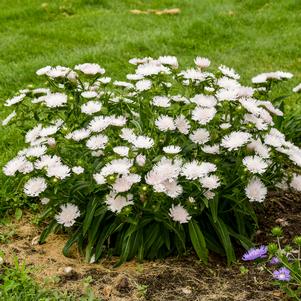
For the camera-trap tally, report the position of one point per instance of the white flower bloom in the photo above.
(228, 83)
(179, 214)
(99, 123)
(118, 166)
(210, 182)
(152, 68)
(123, 84)
(202, 62)
(208, 149)
(259, 148)
(225, 125)
(143, 142)
(205, 101)
(269, 106)
(69, 213)
(274, 138)
(90, 69)
(117, 121)
(225, 94)
(134, 76)
(36, 151)
(140, 160)
(200, 136)
(59, 171)
(54, 100)
(209, 195)
(97, 142)
(46, 161)
(179, 98)
(194, 170)
(89, 94)
(161, 101)
(127, 134)
(251, 105)
(104, 80)
(165, 123)
(116, 203)
(172, 149)
(14, 100)
(91, 107)
(182, 124)
(79, 135)
(78, 170)
(169, 60)
(121, 150)
(256, 190)
(60, 71)
(35, 186)
(20, 164)
(203, 115)
(193, 74)
(45, 201)
(258, 122)
(43, 70)
(245, 91)
(229, 72)
(97, 153)
(143, 85)
(255, 164)
(296, 182)
(9, 118)
(125, 182)
(297, 89)
(170, 188)
(235, 140)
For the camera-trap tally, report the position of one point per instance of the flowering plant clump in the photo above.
(282, 262)
(147, 166)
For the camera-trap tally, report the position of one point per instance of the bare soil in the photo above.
(171, 279)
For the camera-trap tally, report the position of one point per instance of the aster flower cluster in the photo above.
(151, 144)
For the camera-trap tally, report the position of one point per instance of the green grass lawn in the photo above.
(252, 35)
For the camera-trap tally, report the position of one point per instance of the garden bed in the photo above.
(171, 279)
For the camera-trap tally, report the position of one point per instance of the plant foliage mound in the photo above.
(149, 166)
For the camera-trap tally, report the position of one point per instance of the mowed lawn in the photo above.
(252, 36)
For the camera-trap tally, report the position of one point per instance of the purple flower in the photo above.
(255, 253)
(283, 274)
(274, 261)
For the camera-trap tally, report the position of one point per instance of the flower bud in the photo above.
(297, 240)
(272, 248)
(277, 231)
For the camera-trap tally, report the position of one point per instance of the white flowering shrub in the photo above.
(146, 167)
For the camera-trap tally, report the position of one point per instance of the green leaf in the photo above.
(198, 240)
(73, 239)
(89, 215)
(18, 214)
(50, 228)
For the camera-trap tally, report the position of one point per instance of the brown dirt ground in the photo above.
(171, 279)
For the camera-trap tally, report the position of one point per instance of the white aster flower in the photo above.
(116, 203)
(43, 71)
(104, 80)
(227, 95)
(161, 101)
(69, 213)
(143, 142)
(235, 140)
(206, 101)
(54, 100)
(169, 60)
(91, 107)
(121, 150)
(193, 74)
(210, 182)
(171, 149)
(89, 94)
(79, 135)
(182, 124)
(36, 151)
(143, 85)
(78, 170)
(134, 76)
(165, 123)
(97, 142)
(256, 190)
(125, 182)
(99, 123)
(200, 136)
(255, 164)
(14, 100)
(58, 170)
(35, 186)
(228, 83)
(229, 72)
(20, 164)
(211, 149)
(203, 115)
(123, 84)
(209, 195)
(194, 170)
(202, 62)
(179, 214)
(90, 69)
(259, 148)
(9, 118)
